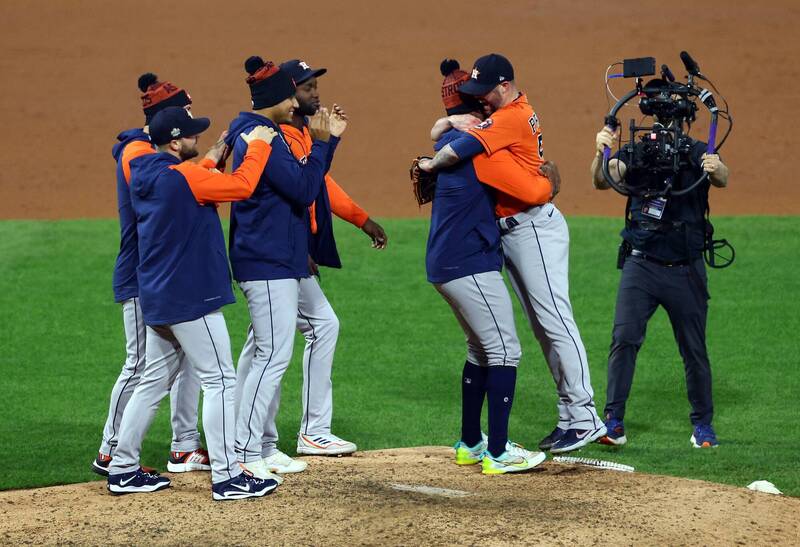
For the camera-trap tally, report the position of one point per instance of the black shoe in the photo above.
(548, 442)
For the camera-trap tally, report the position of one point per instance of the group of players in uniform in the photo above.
(492, 208)
(173, 275)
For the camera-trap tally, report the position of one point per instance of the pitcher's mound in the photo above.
(410, 496)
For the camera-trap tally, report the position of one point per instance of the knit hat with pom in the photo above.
(269, 85)
(159, 95)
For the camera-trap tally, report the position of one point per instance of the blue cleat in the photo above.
(615, 434)
(241, 487)
(136, 482)
(704, 437)
(554, 436)
(575, 439)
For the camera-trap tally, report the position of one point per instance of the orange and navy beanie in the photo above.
(159, 95)
(269, 85)
(454, 78)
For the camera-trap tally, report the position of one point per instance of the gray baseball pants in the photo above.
(536, 248)
(206, 346)
(482, 305)
(184, 394)
(273, 309)
(318, 323)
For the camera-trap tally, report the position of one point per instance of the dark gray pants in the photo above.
(682, 291)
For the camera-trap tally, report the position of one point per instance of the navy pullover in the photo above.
(463, 238)
(125, 283)
(269, 232)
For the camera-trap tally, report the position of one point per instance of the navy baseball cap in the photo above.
(300, 71)
(175, 122)
(487, 72)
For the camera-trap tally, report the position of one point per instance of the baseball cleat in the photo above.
(466, 455)
(514, 460)
(182, 462)
(101, 463)
(259, 470)
(281, 463)
(136, 482)
(324, 444)
(575, 439)
(555, 435)
(615, 433)
(242, 486)
(704, 437)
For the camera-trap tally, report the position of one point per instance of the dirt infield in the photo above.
(410, 497)
(69, 72)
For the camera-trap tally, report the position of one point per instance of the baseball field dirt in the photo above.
(412, 496)
(70, 71)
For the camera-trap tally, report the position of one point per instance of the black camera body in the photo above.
(659, 155)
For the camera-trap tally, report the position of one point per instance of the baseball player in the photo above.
(463, 261)
(186, 452)
(535, 246)
(269, 244)
(184, 280)
(316, 319)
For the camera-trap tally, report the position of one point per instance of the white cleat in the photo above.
(324, 444)
(260, 471)
(281, 463)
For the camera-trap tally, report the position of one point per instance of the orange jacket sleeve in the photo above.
(131, 152)
(343, 205)
(211, 186)
(206, 163)
(502, 172)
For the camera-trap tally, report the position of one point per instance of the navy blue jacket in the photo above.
(464, 238)
(183, 269)
(269, 235)
(125, 283)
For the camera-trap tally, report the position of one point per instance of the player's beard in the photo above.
(188, 152)
(306, 109)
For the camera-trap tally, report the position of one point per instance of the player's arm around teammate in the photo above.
(269, 247)
(184, 281)
(186, 452)
(536, 248)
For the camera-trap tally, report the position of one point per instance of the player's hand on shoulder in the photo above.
(463, 122)
(605, 137)
(711, 163)
(338, 121)
(260, 132)
(319, 125)
(376, 233)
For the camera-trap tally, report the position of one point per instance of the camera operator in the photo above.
(662, 264)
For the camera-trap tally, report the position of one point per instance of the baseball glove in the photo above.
(423, 184)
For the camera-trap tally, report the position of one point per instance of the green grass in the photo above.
(400, 354)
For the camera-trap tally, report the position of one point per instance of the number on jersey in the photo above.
(534, 123)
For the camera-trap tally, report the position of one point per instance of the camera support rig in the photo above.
(673, 103)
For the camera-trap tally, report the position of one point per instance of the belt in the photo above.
(507, 224)
(639, 254)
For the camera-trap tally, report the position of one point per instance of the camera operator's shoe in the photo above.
(704, 437)
(615, 434)
(554, 436)
(575, 439)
